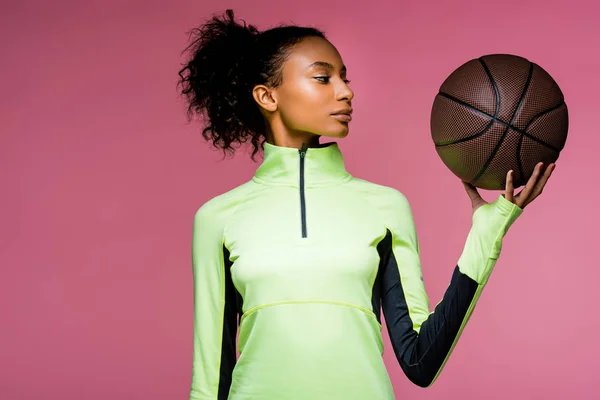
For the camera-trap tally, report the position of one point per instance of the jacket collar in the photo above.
(322, 165)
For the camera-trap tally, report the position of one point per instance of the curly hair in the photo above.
(226, 60)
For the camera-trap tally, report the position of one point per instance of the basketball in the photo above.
(496, 113)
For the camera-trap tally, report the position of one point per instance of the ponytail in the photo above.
(226, 60)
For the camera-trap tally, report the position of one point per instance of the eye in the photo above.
(325, 79)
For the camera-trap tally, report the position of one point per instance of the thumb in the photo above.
(473, 193)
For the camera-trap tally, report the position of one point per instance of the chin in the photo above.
(336, 134)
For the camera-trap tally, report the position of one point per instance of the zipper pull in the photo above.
(303, 150)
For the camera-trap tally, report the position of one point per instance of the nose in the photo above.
(344, 92)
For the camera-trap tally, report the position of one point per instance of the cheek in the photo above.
(304, 105)
(313, 93)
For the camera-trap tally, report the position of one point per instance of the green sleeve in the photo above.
(482, 248)
(214, 353)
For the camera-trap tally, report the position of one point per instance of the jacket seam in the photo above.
(366, 311)
(233, 211)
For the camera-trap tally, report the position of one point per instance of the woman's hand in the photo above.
(532, 189)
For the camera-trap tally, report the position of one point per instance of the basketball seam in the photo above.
(535, 117)
(517, 108)
(494, 86)
(519, 161)
(483, 113)
(489, 125)
(493, 117)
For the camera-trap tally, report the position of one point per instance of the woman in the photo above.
(305, 254)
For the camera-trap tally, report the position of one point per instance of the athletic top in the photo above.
(299, 261)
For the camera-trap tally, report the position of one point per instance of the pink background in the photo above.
(101, 177)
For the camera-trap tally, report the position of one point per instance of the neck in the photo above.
(278, 135)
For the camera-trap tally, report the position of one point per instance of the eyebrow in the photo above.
(326, 65)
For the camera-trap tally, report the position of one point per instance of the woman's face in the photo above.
(314, 97)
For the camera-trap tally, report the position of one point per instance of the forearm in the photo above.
(422, 354)
(423, 342)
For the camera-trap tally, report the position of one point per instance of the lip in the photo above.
(344, 114)
(342, 117)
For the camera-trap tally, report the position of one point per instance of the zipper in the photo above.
(302, 152)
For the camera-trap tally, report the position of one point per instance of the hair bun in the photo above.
(226, 39)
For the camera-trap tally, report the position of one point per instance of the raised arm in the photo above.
(423, 340)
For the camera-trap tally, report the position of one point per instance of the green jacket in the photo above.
(299, 261)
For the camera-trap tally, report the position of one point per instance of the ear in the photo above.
(265, 98)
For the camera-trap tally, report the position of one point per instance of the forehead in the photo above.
(311, 50)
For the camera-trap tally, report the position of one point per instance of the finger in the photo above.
(525, 193)
(541, 183)
(510, 189)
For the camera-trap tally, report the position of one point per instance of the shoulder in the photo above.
(390, 204)
(381, 196)
(217, 210)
